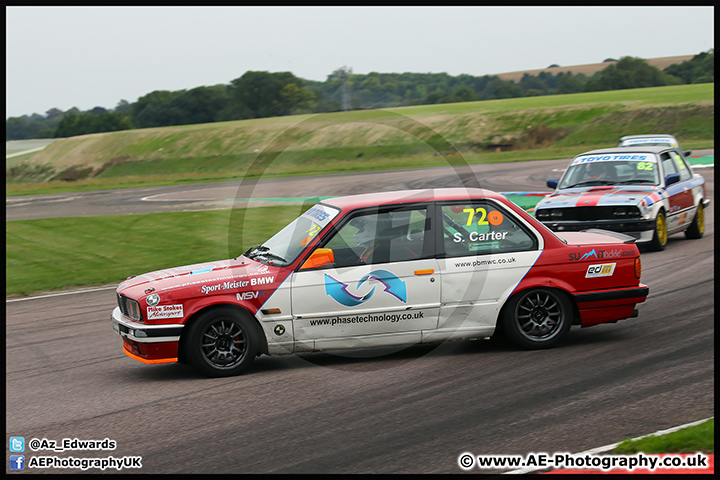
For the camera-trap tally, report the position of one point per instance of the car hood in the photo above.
(609, 195)
(205, 277)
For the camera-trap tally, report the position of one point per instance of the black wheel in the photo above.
(221, 343)
(697, 227)
(660, 235)
(538, 318)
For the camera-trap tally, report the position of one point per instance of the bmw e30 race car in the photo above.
(385, 269)
(647, 192)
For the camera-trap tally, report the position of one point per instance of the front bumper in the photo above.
(147, 343)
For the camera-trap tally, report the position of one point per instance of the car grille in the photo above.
(129, 307)
(584, 214)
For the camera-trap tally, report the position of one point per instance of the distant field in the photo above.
(545, 127)
(592, 68)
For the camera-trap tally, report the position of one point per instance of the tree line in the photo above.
(259, 94)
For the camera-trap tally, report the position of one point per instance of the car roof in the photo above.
(625, 150)
(411, 196)
(659, 135)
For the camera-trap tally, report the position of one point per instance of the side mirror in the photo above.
(687, 153)
(552, 183)
(319, 258)
(672, 178)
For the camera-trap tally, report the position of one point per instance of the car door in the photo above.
(484, 251)
(680, 194)
(382, 287)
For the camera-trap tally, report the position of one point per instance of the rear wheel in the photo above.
(538, 318)
(660, 234)
(222, 342)
(697, 227)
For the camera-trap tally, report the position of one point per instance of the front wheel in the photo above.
(538, 318)
(660, 235)
(221, 343)
(697, 227)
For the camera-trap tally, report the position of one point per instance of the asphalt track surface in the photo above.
(376, 411)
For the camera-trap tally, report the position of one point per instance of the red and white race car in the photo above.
(383, 269)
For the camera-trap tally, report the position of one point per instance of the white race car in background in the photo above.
(647, 192)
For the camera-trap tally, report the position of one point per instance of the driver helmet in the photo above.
(366, 229)
(596, 170)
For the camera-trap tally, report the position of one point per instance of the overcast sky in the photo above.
(64, 57)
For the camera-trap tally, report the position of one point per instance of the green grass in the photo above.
(370, 140)
(699, 438)
(56, 253)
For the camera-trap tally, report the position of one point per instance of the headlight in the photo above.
(556, 213)
(542, 214)
(134, 310)
(129, 307)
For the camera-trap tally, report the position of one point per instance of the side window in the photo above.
(682, 167)
(668, 164)
(481, 227)
(380, 237)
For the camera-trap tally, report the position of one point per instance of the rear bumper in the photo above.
(609, 306)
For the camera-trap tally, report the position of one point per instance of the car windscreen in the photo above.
(611, 169)
(286, 245)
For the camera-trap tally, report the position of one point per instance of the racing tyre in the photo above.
(221, 343)
(697, 227)
(660, 235)
(538, 318)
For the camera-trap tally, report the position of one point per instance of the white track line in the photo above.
(608, 448)
(59, 294)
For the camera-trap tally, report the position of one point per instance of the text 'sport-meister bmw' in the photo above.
(383, 269)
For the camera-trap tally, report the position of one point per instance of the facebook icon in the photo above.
(17, 462)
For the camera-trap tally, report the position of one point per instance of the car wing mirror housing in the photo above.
(319, 258)
(672, 178)
(552, 183)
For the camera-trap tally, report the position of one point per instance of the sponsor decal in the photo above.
(611, 158)
(600, 254)
(234, 285)
(250, 295)
(320, 215)
(369, 318)
(481, 247)
(640, 141)
(164, 311)
(603, 270)
(339, 290)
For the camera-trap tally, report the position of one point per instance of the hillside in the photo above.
(590, 68)
(407, 137)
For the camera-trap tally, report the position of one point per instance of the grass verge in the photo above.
(699, 438)
(56, 253)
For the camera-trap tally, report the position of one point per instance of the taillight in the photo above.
(638, 268)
